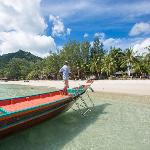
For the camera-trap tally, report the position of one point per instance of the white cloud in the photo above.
(21, 16)
(122, 43)
(85, 35)
(138, 44)
(140, 47)
(101, 8)
(140, 28)
(13, 41)
(58, 28)
(112, 42)
(66, 8)
(22, 26)
(99, 35)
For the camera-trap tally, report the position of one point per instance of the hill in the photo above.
(4, 59)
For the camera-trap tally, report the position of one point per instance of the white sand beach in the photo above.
(136, 87)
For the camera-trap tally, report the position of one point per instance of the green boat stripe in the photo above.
(73, 91)
(22, 121)
(31, 108)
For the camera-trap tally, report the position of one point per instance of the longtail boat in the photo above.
(22, 112)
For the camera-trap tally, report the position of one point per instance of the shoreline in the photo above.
(129, 87)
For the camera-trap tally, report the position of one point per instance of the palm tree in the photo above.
(96, 54)
(129, 60)
(109, 65)
(147, 60)
(140, 66)
(147, 57)
(95, 66)
(117, 55)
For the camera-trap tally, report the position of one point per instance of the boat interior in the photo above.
(22, 103)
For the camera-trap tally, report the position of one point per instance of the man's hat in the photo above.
(66, 62)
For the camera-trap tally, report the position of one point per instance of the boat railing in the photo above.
(81, 104)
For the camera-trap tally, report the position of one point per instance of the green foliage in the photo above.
(97, 55)
(17, 69)
(84, 59)
(4, 59)
(117, 55)
(34, 74)
(52, 65)
(109, 65)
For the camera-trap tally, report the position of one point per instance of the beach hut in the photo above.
(119, 73)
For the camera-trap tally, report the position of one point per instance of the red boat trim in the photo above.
(4, 102)
(9, 114)
(34, 103)
(11, 118)
(12, 98)
(35, 117)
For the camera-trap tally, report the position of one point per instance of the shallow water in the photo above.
(7, 91)
(119, 122)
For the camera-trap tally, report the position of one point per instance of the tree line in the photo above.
(85, 59)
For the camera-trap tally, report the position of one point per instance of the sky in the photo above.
(41, 26)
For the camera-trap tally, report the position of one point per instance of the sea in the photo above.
(117, 122)
(12, 90)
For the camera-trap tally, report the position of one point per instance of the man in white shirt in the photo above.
(65, 70)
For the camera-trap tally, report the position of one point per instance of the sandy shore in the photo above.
(136, 87)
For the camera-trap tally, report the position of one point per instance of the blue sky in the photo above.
(114, 18)
(44, 25)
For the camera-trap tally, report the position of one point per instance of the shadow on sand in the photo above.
(52, 134)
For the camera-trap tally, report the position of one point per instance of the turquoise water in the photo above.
(119, 122)
(7, 91)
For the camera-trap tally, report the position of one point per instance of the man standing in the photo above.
(65, 70)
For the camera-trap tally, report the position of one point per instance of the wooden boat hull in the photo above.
(47, 114)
